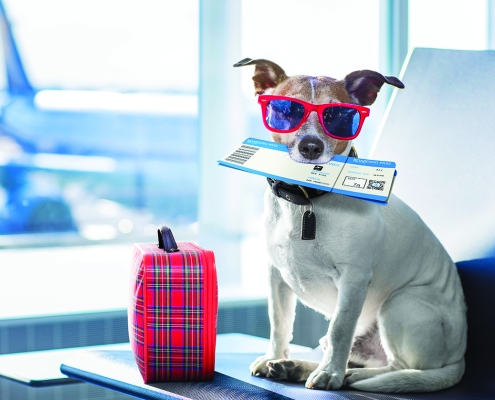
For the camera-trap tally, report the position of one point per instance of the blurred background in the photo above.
(100, 131)
(112, 116)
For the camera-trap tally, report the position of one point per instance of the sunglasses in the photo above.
(285, 115)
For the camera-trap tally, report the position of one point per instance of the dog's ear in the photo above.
(363, 86)
(267, 74)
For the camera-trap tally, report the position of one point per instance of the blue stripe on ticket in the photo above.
(266, 144)
(370, 163)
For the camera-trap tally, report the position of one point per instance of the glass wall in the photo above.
(99, 138)
(103, 143)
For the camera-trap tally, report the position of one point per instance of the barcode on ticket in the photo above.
(376, 185)
(242, 154)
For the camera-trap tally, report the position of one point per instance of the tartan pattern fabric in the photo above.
(170, 309)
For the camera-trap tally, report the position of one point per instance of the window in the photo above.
(101, 149)
(108, 148)
(448, 24)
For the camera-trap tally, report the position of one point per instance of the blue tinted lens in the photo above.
(284, 114)
(341, 121)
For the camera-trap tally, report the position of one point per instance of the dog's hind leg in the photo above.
(388, 380)
(424, 340)
(359, 374)
(367, 350)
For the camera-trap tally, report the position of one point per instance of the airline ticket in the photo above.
(370, 180)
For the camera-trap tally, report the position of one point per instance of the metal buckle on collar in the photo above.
(289, 193)
(307, 198)
(274, 185)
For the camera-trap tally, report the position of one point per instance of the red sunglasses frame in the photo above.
(264, 99)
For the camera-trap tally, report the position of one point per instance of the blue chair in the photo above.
(478, 281)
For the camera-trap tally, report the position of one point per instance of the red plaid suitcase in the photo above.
(173, 309)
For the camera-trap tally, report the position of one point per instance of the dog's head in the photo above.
(309, 143)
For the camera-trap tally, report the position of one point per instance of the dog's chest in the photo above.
(301, 263)
(309, 278)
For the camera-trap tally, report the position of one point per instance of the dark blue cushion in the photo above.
(478, 282)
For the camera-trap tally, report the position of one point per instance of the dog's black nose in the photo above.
(311, 148)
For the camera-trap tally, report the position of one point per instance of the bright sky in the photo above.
(108, 44)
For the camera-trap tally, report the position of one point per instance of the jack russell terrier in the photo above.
(379, 275)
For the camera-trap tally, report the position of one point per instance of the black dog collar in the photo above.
(294, 194)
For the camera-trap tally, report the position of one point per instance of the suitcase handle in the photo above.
(166, 240)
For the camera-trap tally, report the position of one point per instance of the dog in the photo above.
(377, 273)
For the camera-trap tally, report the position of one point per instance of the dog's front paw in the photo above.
(259, 367)
(285, 370)
(322, 379)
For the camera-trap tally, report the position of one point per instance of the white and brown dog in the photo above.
(390, 290)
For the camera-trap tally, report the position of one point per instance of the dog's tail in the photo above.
(412, 380)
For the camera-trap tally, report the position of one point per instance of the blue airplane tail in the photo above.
(18, 83)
